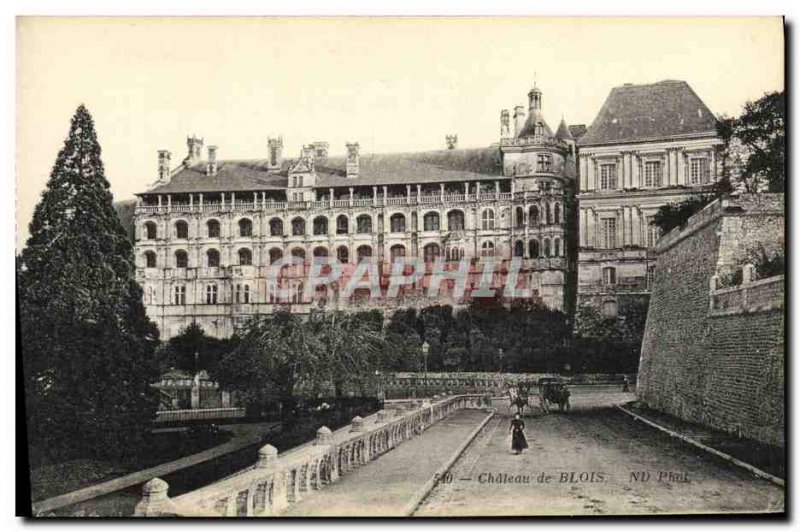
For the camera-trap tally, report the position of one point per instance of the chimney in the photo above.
(195, 146)
(320, 148)
(352, 159)
(211, 166)
(275, 147)
(505, 129)
(535, 99)
(519, 119)
(164, 157)
(307, 152)
(452, 141)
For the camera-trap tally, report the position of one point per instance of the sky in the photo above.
(391, 84)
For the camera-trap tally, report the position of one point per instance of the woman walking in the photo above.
(518, 441)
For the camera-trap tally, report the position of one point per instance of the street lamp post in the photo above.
(500, 355)
(425, 348)
(380, 386)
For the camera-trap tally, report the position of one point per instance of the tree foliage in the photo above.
(87, 344)
(755, 145)
(192, 350)
(673, 215)
(279, 357)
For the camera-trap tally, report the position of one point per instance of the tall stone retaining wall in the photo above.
(715, 355)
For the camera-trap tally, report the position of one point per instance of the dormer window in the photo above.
(539, 131)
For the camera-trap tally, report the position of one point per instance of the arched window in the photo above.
(364, 252)
(547, 214)
(430, 252)
(557, 247)
(320, 251)
(275, 254)
(557, 213)
(546, 246)
(455, 220)
(181, 229)
(245, 227)
(213, 228)
(343, 254)
(181, 259)
(364, 224)
(519, 214)
(150, 230)
(149, 259)
(245, 257)
(519, 248)
(320, 225)
(397, 223)
(276, 227)
(299, 253)
(533, 216)
(342, 224)
(487, 219)
(212, 258)
(431, 221)
(298, 227)
(533, 249)
(487, 249)
(397, 251)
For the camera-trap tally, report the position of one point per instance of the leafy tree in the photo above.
(352, 348)
(673, 215)
(87, 344)
(193, 351)
(271, 355)
(755, 143)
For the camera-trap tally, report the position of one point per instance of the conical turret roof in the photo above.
(563, 131)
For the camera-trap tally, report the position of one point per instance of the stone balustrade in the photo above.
(750, 296)
(279, 480)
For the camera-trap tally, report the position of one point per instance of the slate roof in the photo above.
(636, 113)
(374, 170)
(529, 128)
(246, 175)
(563, 131)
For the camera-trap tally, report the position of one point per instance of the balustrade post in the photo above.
(279, 502)
(267, 456)
(155, 501)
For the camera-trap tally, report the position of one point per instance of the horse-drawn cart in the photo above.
(553, 390)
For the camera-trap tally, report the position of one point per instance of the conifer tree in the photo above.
(87, 345)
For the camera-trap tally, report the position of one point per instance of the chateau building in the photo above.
(573, 206)
(648, 146)
(210, 233)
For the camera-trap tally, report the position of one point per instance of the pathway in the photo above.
(386, 486)
(598, 461)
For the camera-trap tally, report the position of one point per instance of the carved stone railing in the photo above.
(278, 480)
(750, 296)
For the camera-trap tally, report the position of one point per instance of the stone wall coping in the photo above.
(738, 205)
(752, 284)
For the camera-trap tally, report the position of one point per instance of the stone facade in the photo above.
(650, 145)
(715, 355)
(208, 232)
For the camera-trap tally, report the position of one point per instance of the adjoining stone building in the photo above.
(208, 231)
(648, 146)
(713, 348)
